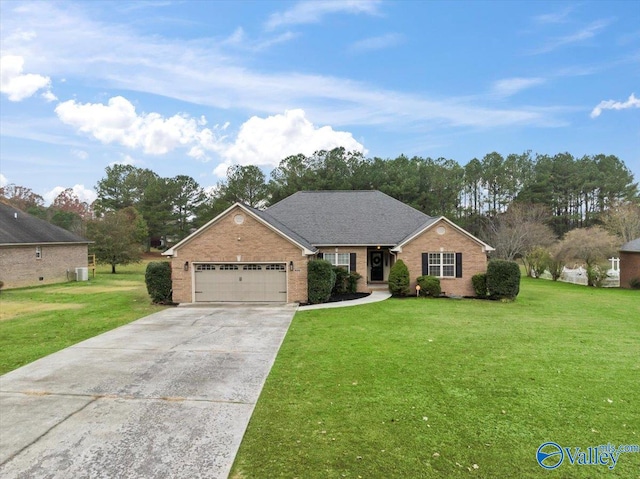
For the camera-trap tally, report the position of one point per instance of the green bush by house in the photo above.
(399, 279)
(158, 280)
(503, 279)
(320, 280)
(479, 282)
(429, 286)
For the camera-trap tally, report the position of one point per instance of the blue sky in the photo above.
(193, 87)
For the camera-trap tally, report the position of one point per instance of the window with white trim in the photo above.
(442, 265)
(38, 252)
(339, 259)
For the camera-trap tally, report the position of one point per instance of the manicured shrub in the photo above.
(429, 286)
(399, 279)
(158, 280)
(503, 279)
(320, 280)
(352, 282)
(342, 278)
(479, 282)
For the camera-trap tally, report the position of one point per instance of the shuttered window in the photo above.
(442, 264)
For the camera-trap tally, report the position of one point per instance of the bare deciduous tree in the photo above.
(623, 220)
(518, 231)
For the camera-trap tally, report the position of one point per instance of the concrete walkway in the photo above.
(167, 396)
(374, 297)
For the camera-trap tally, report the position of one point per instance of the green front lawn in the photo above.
(451, 388)
(38, 321)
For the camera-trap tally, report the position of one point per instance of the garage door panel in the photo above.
(241, 282)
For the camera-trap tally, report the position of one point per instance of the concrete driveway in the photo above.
(167, 396)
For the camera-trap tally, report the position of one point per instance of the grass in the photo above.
(426, 388)
(38, 321)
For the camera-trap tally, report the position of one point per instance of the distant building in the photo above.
(629, 263)
(33, 251)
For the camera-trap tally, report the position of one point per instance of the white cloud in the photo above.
(632, 102)
(80, 154)
(585, 33)
(312, 11)
(205, 72)
(49, 96)
(84, 194)
(3, 180)
(510, 86)
(117, 122)
(376, 43)
(17, 85)
(555, 17)
(266, 141)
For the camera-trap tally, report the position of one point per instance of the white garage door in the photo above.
(241, 282)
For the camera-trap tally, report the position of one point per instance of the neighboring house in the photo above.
(629, 263)
(33, 251)
(245, 254)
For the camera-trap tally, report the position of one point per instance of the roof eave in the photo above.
(48, 243)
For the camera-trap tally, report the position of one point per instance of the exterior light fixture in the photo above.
(290, 265)
(186, 266)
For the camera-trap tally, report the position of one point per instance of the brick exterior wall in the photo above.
(19, 266)
(474, 260)
(361, 262)
(225, 241)
(629, 268)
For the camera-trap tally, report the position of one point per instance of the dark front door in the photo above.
(377, 265)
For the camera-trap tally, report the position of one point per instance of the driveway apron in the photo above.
(167, 396)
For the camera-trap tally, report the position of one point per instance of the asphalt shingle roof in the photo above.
(632, 246)
(348, 217)
(18, 227)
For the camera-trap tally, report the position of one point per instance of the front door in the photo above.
(377, 265)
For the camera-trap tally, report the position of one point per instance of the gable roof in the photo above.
(260, 216)
(333, 218)
(20, 228)
(431, 223)
(632, 246)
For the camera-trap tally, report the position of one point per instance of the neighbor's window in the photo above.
(338, 259)
(38, 252)
(442, 265)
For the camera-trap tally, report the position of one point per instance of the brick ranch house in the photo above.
(33, 251)
(629, 262)
(246, 254)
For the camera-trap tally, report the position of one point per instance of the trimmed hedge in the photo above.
(320, 280)
(158, 280)
(503, 279)
(429, 286)
(479, 282)
(399, 279)
(342, 277)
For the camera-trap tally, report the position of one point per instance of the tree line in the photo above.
(486, 196)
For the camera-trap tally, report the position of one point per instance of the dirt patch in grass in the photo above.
(95, 288)
(12, 310)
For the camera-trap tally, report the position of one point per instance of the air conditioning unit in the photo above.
(82, 274)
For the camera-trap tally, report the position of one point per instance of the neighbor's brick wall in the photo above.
(19, 266)
(225, 240)
(474, 260)
(629, 268)
(361, 262)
